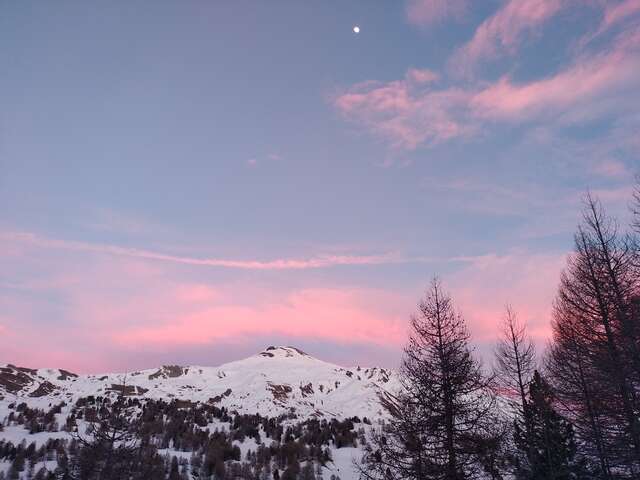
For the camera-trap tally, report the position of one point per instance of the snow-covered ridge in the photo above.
(276, 381)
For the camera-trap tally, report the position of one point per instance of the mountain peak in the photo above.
(279, 380)
(282, 352)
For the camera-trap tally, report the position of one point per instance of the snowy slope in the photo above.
(276, 381)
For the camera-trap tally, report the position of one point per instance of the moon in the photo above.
(356, 29)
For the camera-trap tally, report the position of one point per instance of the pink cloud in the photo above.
(320, 313)
(612, 168)
(617, 12)
(108, 307)
(407, 112)
(527, 281)
(417, 75)
(111, 306)
(504, 31)
(427, 12)
(196, 293)
(414, 111)
(91, 311)
(588, 78)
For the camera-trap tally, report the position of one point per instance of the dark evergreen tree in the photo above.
(546, 439)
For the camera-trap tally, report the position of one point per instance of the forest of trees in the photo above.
(569, 412)
(126, 438)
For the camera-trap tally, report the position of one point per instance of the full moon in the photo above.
(356, 29)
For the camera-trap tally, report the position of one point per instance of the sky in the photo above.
(189, 182)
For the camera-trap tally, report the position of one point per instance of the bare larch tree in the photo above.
(515, 356)
(444, 420)
(595, 358)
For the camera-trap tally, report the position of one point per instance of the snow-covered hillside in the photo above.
(276, 381)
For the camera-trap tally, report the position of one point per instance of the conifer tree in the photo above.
(442, 421)
(515, 363)
(546, 440)
(594, 361)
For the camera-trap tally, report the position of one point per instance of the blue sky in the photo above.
(190, 181)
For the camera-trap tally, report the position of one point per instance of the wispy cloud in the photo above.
(603, 74)
(616, 13)
(315, 262)
(320, 261)
(612, 168)
(263, 159)
(492, 197)
(503, 32)
(108, 220)
(427, 12)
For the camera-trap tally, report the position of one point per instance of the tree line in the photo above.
(572, 412)
(120, 438)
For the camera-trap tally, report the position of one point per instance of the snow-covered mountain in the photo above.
(276, 381)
